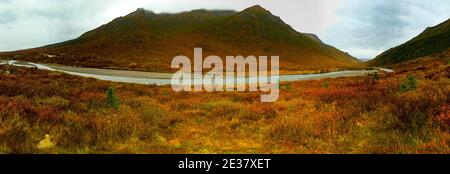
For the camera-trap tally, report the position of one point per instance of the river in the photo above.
(138, 77)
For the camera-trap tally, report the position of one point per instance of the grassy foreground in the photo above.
(50, 112)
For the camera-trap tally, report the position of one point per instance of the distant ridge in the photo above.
(433, 40)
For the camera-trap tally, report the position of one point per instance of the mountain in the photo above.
(144, 40)
(433, 40)
(364, 59)
(313, 36)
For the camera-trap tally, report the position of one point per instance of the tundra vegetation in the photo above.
(403, 112)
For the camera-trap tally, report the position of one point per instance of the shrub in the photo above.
(46, 113)
(250, 115)
(325, 84)
(18, 138)
(16, 106)
(375, 76)
(111, 98)
(152, 114)
(56, 101)
(444, 117)
(408, 85)
(91, 100)
(413, 111)
(287, 133)
(223, 109)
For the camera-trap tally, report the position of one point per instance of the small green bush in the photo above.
(325, 84)
(111, 98)
(408, 85)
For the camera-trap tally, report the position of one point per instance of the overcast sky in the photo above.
(362, 28)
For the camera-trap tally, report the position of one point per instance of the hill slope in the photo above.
(147, 41)
(432, 41)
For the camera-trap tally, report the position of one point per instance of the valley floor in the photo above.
(403, 112)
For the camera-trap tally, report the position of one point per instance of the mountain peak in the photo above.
(256, 9)
(143, 11)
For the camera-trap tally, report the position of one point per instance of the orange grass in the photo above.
(348, 115)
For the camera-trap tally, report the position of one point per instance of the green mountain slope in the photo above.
(432, 41)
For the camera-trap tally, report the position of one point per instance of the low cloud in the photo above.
(31, 23)
(367, 28)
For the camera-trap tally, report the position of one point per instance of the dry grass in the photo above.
(348, 115)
